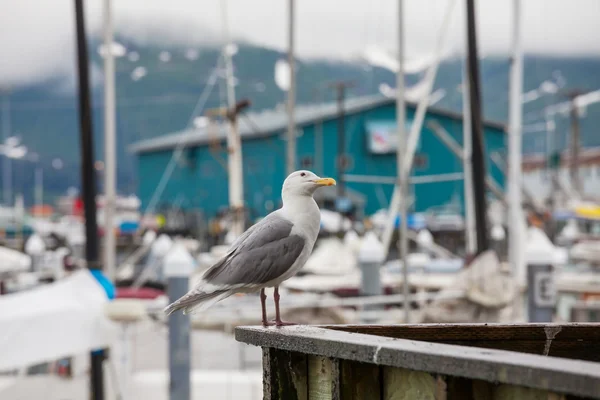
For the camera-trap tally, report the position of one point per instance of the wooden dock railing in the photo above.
(431, 361)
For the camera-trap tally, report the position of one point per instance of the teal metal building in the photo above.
(199, 178)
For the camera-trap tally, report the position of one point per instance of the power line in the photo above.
(180, 146)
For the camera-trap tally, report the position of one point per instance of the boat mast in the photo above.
(234, 142)
(477, 140)
(88, 182)
(291, 95)
(109, 145)
(515, 210)
(402, 172)
(470, 235)
(6, 165)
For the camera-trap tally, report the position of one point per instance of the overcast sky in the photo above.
(37, 36)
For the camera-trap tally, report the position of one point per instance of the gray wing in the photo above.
(265, 253)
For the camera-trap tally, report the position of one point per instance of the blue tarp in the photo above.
(106, 284)
(129, 227)
(108, 287)
(414, 221)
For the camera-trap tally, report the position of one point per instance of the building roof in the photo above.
(268, 122)
(587, 157)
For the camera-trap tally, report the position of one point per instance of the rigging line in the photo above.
(181, 143)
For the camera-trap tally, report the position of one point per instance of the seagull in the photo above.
(266, 254)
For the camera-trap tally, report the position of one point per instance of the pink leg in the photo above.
(263, 298)
(278, 321)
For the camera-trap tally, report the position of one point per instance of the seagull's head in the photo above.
(304, 183)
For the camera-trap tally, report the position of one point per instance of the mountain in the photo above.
(158, 87)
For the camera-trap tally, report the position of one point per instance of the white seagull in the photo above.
(267, 254)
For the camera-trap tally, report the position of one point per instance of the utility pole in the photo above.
(340, 88)
(109, 145)
(516, 252)
(401, 172)
(291, 96)
(574, 141)
(6, 166)
(88, 182)
(478, 161)
(234, 142)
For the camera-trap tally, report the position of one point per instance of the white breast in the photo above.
(306, 217)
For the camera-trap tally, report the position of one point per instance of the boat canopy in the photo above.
(54, 321)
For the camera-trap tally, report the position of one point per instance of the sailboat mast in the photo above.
(402, 172)
(6, 165)
(109, 145)
(291, 95)
(478, 148)
(515, 237)
(88, 182)
(470, 235)
(234, 142)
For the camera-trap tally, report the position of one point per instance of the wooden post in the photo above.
(404, 384)
(320, 378)
(359, 380)
(284, 375)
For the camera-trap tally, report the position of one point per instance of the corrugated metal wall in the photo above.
(199, 181)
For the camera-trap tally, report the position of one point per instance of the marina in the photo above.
(383, 238)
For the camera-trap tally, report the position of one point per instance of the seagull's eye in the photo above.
(303, 174)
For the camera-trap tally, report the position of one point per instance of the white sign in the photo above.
(544, 291)
(383, 136)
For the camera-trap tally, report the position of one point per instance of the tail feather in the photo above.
(196, 301)
(206, 304)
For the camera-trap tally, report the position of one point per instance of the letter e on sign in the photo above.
(544, 291)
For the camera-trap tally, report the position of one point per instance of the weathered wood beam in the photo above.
(574, 377)
(575, 341)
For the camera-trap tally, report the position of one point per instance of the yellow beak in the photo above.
(325, 182)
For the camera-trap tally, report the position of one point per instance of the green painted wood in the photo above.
(284, 375)
(359, 381)
(320, 378)
(404, 384)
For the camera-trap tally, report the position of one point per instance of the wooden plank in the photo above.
(270, 389)
(320, 378)
(575, 377)
(336, 379)
(574, 341)
(508, 392)
(468, 389)
(359, 381)
(578, 350)
(441, 388)
(284, 375)
(404, 384)
(427, 332)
